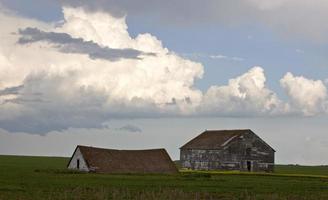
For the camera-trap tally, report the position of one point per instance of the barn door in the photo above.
(249, 165)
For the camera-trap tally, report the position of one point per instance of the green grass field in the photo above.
(46, 178)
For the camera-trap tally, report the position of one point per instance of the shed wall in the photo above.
(73, 163)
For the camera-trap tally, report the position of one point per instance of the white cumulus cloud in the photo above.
(87, 69)
(306, 95)
(49, 88)
(244, 95)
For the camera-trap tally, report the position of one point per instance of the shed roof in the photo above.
(127, 161)
(216, 139)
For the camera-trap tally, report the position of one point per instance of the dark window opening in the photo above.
(249, 165)
(248, 151)
(78, 163)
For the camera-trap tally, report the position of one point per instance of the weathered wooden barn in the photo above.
(227, 150)
(99, 160)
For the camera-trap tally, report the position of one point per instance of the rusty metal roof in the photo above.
(216, 139)
(127, 161)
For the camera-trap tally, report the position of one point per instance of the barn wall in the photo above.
(73, 162)
(233, 156)
(249, 147)
(207, 160)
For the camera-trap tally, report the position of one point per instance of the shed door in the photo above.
(78, 163)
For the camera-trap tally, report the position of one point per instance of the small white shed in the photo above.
(91, 159)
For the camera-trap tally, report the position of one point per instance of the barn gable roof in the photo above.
(217, 139)
(127, 161)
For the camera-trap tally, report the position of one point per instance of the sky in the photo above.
(154, 74)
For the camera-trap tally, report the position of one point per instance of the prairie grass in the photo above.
(36, 178)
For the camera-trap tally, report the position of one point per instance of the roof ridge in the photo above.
(246, 129)
(101, 148)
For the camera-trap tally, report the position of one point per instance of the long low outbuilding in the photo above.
(100, 160)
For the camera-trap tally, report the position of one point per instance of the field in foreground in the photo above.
(46, 178)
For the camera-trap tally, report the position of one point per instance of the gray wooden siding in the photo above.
(233, 156)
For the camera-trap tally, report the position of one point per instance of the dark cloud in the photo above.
(46, 108)
(11, 90)
(41, 124)
(131, 128)
(21, 96)
(25, 100)
(67, 44)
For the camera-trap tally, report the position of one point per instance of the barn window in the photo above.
(78, 163)
(248, 151)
